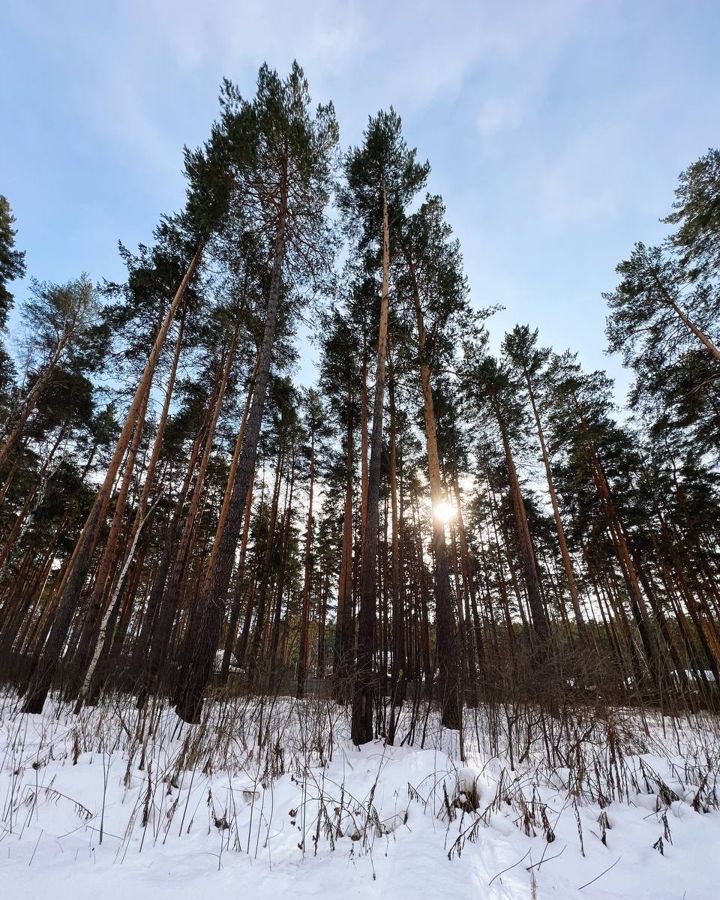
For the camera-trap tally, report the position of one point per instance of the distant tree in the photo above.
(63, 328)
(493, 388)
(316, 429)
(696, 211)
(598, 450)
(654, 310)
(339, 377)
(12, 261)
(521, 350)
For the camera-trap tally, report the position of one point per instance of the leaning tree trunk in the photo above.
(170, 603)
(627, 566)
(540, 622)
(619, 538)
(697, 332)
(231, 636)
(559, 527)
(108, 561)
(89, 536)
(32, 501)
(144, 642)
(33, 397)
(227, 496)
(141, 517)
(204, 631)
(107, 616)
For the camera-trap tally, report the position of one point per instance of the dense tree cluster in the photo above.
(178, 516)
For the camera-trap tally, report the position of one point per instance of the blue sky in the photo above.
(556, 130)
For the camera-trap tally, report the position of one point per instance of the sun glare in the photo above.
(444, 511)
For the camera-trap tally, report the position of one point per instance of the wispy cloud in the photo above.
(556, 128)
(124, 67)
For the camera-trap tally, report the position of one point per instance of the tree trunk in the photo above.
(637, 602)
(275, 669)
(273, 539)
(304, 654)
(204, 632)
(362, 708)
(102, 633)
(322, 620)
(687, 322)
(343, 625)
(146, 655)
(34, 395)
(447, 635)
(140, 515)
(171, 600)
(559, 527)
(231, 636)
(527, 550)
(107, 562)
(399, 665)
(90, 534)
(35, 496)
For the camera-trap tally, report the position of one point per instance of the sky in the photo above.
(556, 129)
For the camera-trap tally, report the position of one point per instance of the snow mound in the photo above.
(270, 799)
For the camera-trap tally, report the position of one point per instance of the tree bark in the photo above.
(527, 550)
(82, 555)
(304, 652)
(447, 635)
(559, 527)
(399, 664)
(204, 631)
(342, 662)
(363, 692)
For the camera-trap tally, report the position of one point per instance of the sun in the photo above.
(444, 511)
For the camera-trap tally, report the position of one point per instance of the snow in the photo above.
(218, 661)
(270, 800)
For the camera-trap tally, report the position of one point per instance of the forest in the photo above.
(431, 519)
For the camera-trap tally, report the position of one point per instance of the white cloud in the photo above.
(124, 64)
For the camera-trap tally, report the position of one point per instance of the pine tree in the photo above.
(286, 184)
(206, 206)
(339, 376)
(381, 176)
(696, 211)
(491, 385)
(438, 296)
(654, 310)
(12, 261)
(64, 330)
(314, 415)
(581, 415)
(186, 514)
(520, 348)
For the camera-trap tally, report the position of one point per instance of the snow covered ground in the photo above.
(270, 800)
